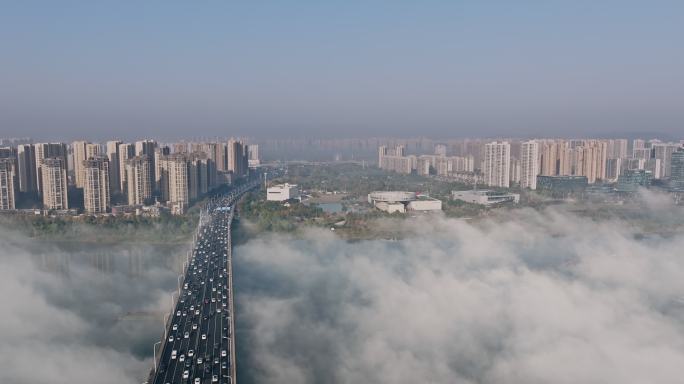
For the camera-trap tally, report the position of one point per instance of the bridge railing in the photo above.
(168, 318)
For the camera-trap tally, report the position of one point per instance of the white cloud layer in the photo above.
(63, 311)
(539, 298)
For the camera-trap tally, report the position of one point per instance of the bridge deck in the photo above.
(199, 343)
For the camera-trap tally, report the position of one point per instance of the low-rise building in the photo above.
(424, 204)
(401, 201)
(632, 179)
(485, 197)
(282, 192)
(562, 186)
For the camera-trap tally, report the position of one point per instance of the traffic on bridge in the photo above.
(198, 345)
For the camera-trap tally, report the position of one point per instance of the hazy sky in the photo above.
(340, 68)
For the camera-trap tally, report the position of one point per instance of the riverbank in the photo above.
(103, 230)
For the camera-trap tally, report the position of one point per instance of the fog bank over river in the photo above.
(82, 312)
(524, 297)
(530, 297)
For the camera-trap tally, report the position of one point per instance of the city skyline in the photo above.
(386, 192)
(115, 176)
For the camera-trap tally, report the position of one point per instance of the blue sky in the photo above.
(174, 69)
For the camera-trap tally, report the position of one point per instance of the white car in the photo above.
(196, 311)
(191, 353)
(175, 327)
(194, 326)
(186, 374)
(173, 354)
(186, 335)
(223, 353)
(214, 378)
(197, 380)
(171, 339)
(181, 358)
(204, 336)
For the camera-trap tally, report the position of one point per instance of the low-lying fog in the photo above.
(81, 312)
(537, 298)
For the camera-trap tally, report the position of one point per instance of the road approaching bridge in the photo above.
(199, 342)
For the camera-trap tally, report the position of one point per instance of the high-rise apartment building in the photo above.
(549, 159)
(253, 155)
(529, 164)
(440, 149)
(159, 154)
(613, 169)
(7, 183)
(237, 158)
(8, 177)
(112, 152)
(82, 151)
(126, 152)
(654, 166)
(146, 148)
(638, 144)
(78, 150)
(186, 177)
(565, 158)
(139, 180)
(497, 164)
(677, 171)
(663, 152)
(207, 174)
(395, 160)
(181, 147)
(176, 173)
(422, 165)
(221, 157)
(514, 176)
(617, 149)
(48, 150)
(195, 171)
(641, 153)
(54, 182)
(590, 166)
(382, 152)
(26, 168)
(96, 188)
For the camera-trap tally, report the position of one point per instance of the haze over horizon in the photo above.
(341, 69)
